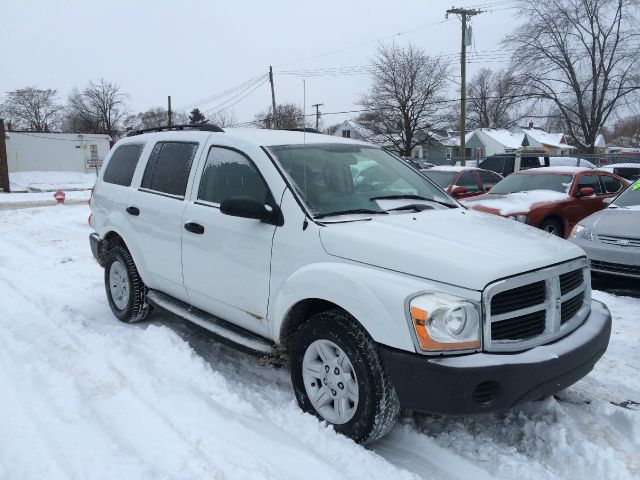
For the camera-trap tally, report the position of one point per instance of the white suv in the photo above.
(380, 289)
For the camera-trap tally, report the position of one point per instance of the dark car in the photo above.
(554, 199)
(463, 182)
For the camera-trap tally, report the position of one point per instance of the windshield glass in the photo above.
(522, 182)
(630, 197)
(443, 179)
(341, 177)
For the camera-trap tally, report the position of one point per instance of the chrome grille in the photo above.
(619, 241)
(518, 298)
(535, 308)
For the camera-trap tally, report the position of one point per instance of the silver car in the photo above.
(611, 237)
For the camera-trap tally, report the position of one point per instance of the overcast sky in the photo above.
(193, 50)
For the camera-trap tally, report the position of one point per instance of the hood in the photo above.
(517, 202)
(455, 246)
(617, 222)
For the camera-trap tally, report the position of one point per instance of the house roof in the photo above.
(540, 137)
(503, 136)
(363, 132)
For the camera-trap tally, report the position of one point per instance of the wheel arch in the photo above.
(557, 218)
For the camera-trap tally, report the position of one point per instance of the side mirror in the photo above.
(249, 208)
(458, 190)
(488, 187)
(586, 192)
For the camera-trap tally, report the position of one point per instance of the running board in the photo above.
(215, 325)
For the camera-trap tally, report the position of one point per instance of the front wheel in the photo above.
(338, 376)
(552, 226)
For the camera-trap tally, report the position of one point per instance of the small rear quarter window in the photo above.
(122, 164)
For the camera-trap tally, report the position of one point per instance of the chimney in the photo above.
(530, 124)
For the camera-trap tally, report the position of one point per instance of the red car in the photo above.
(463, 182)
(551, 198)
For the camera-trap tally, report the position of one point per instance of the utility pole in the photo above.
(317, 106)
(274, 123)
(4, 162)
(463, 14)
(169, 110)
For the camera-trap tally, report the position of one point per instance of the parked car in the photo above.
(611, 237)
(418, 163)
(551, 198)
(508, 163)
(463, 182)
(380, 294)
(630, 171)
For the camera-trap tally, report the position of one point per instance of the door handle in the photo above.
(194, 228)
(135, 211)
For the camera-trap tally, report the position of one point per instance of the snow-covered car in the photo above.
(611, 237)
(551, 198)
(507, 163)
(382, 293)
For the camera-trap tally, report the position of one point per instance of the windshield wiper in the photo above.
(396, 197)
(347, 212)
(418, 207)
(412, 197)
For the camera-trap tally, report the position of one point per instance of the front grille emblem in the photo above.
(623, 242)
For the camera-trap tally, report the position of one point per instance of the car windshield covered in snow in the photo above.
(522, 182)
(341, 178)
(443, 179)
(630, 197)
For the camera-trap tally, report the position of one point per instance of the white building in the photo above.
(50, 152)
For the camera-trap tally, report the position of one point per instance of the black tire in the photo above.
(552, 226)
(137, 307)
(378, 406)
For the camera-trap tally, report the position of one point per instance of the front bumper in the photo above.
(488, 382)
(614, 260)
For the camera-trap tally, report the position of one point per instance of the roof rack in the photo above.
(306, 129)
(203, 127)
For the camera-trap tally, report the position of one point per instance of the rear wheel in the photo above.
(338, 376)
(553, 227)
(126, 293)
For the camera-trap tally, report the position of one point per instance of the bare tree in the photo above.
(226, 118)
(625, 133)
(492, 99)
(153, 118)
(405, 93)
(332, 129)
(288, 115)
(32, 108)
(579, 56)
(99, 108)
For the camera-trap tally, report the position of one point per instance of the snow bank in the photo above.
(51, 181)
(518, 202)
(85, 396)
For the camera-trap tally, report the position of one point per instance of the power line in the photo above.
(240, 99)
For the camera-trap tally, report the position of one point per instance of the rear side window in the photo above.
(590, 181)
(229, 174)
(469, 181)
(487, 179)
(529, 162)
(611, 185)
(122, 165)
(168, 167)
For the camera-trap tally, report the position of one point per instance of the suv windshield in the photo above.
(630, 197)
(521, 182)
(333, 178)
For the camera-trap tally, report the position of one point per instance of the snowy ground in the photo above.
(86, 397)
(51, 181)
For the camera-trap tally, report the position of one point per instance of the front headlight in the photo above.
(445, 322)
(582, 232)
(519, 218)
